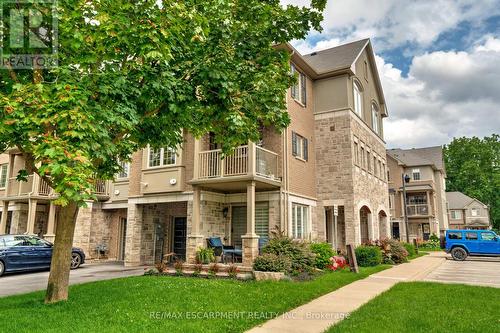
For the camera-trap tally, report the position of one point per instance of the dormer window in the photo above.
(375, 118)
(416, 174)
(299, 91)
(358, 99)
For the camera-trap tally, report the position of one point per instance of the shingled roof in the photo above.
(336, 58)
(419, 156)
(458, 200)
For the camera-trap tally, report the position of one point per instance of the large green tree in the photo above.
(473, 167)
(133, 73)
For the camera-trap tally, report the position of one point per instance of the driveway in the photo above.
(20, 283)
(479, 271)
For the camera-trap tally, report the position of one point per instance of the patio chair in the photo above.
(224, 251)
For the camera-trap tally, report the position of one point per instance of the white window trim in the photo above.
(6, 175)
(299, 98)
(118, 176)
(305, 210)
(456, 214)
(162, 155)
(474, 212)
(414, 172)
(375, 118)
(358, 99)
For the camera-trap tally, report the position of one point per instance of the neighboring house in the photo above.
(170, 200)
(426, 198)
(465, 212)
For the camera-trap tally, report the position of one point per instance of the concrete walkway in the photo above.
(325, 311)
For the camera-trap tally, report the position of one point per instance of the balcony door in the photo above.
(239, 222)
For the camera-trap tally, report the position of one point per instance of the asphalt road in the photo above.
(20, 283)
(479, 271)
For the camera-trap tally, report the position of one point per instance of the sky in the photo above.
(439, 63)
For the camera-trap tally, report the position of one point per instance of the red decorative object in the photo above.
(337, 263)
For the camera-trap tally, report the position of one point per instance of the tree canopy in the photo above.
(133, 73)
(473, 167)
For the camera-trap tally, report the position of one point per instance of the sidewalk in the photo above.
(325, 311)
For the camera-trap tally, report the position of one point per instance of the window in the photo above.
(300, 147)
(416, 174)
(162, 157)
(356, 153)
(299, 220)
(366, 70)
(388, 174)
(299, 89)
(375, 167)
(125, 170)
(391, 201)
(417, 199)
(471, 235)
(375, 121)
(368, 161)
(474, 211)
(3, 175)
(487, 236)
(456, 214)
(358, 99)
(454, 235)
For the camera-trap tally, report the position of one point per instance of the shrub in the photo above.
(410, 248)
(178, 265)
(324, 253)
(161, 267)
(270, 262)
(213, 270)
(434, 238)
(394, 251)
(301, 257)
(205, 255)
(368, 255)
(232, 271)
(197, 269)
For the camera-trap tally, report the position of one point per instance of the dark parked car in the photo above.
(28, 253)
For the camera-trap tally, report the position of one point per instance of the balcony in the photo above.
(36, 187)
(249, 162)
(418, 210)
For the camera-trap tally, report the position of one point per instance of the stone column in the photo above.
(51, 224)
(83, 227)
(250, 241)
(195, 239)
(30, 229)
(133, 237)
(3, 220)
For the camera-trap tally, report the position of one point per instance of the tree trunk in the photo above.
(57, 288)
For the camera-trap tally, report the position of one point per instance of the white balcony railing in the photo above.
(212, 165)
(418, 210)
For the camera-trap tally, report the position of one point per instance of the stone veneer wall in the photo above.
(339, 179)
(19, 222)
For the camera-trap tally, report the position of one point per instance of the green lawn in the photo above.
(126, 304)
(427, 307)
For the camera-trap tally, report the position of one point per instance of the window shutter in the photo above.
(306, 152)
(294, 144)
(294, 87)
(303, 87)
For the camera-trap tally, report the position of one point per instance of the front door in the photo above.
(180, 234)
(159, 242)
(395, 230)
(426, 231)
(122, 238)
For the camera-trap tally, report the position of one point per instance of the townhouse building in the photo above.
(425, 192)
(465, 212)
(323, 178)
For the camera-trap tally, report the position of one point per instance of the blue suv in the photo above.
(464, 243)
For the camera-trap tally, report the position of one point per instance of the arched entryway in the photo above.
(364, 222)
(383, 225)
